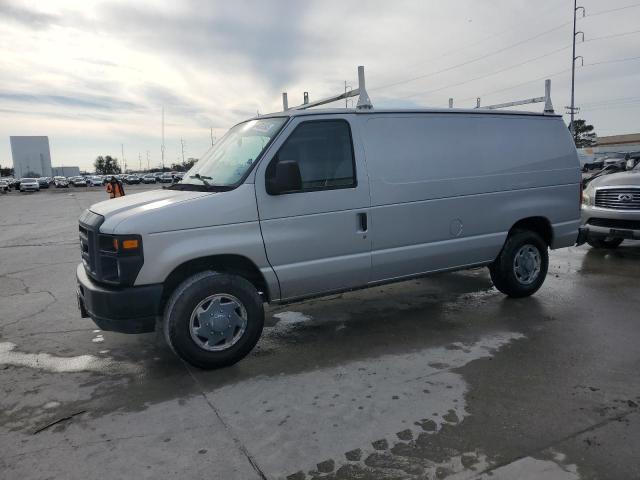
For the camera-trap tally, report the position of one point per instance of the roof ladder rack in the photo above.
(548, 106)
(364, 102)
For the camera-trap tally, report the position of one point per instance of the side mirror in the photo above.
(284, 177)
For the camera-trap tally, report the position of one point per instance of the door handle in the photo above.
(362, 222)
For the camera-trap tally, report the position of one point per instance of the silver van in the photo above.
(310, 202)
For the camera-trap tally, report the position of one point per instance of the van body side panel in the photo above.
(177, 247)
(312, 238)
(446, 188)
(213, 224)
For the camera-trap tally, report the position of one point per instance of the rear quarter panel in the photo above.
(446, 188)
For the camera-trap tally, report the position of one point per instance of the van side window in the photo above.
(324, 152)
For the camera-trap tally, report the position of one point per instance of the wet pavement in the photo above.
(440, 377)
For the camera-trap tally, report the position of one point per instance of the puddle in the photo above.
(291, 318)
(363, 404)
(52, 363)
(529, 468)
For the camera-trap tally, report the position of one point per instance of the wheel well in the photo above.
(235, 264)
(540, 225)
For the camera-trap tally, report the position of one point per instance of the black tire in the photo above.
(604, 242)
(503, 272)
(186, 298)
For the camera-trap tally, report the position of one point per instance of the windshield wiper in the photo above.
(202, 178)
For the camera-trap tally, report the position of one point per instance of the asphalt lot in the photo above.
(441, 377)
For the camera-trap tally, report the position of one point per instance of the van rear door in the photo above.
(316, 238)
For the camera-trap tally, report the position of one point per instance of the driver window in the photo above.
(324, 152)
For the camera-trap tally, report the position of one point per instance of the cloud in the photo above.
(266, 37)
(112, 65)
(91, 102)
(28, 17)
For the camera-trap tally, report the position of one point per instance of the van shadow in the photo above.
(365, 325)
(387, 320)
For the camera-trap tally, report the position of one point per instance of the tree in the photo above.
(6, 172)
(183, 167)
(107, 165)
(584, 135)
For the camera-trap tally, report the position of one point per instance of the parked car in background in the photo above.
(78, 182)
(43, 182)
(157, 175)
(60, 182)
(4, 186)
(149, 178)
(132, 179)
(94, 181)
(166, 177)
(611, 209)
(29, 185)
(616, 159)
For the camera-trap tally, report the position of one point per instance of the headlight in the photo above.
(586, 198)
(120, 258)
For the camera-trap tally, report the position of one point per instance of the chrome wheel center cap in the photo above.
(219, 321)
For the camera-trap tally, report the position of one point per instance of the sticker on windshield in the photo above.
(263, 127)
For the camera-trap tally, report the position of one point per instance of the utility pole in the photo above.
(139, 162)
(124, 162)
(147, 160)
(182, 147)
(162, 146)
(212, 136)
(572, 107)
(346, 100)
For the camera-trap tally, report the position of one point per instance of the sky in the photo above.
(95, 76)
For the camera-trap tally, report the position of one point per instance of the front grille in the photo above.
(617, 224)
(88, 229)
(618, 198)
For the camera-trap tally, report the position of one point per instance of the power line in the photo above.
(484, 39)
(612, 100)
(611, 107)
(516, 65)
(490, 54)
(543, 77)
(489, 74)
(602, 12)
(615, 35)
(620, 60)
(508, 47)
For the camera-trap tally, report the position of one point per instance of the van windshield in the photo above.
(226, 162)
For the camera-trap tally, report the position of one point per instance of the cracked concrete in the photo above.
(433, 378)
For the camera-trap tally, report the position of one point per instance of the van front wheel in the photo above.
(213, 320)
(521, 267)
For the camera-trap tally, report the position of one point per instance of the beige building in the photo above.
(612, 143)
(618, 143)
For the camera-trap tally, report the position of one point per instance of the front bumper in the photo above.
(122, 309)
(606, 222)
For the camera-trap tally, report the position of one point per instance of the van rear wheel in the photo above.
(521, 267)
(213, 320)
